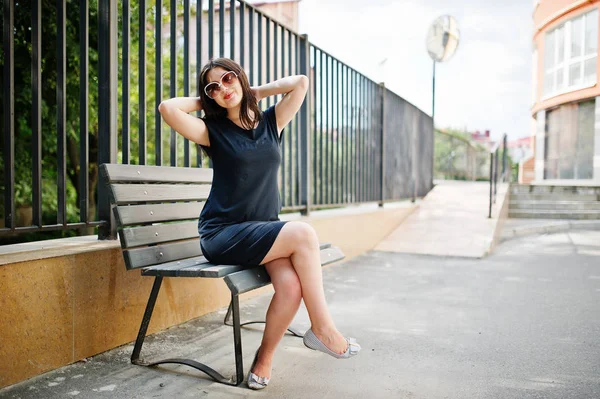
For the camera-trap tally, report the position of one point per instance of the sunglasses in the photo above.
(213, 89)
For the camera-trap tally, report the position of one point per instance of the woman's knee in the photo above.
(285, 280)
(303, 233)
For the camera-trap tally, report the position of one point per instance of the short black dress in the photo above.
(240, 220)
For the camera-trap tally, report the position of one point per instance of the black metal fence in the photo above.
(83, 88)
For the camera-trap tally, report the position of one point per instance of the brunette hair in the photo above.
(213, 110)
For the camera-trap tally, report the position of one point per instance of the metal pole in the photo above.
(107, 107)
(304, 133)
(433, 99)
(491, 182)
(383, 92)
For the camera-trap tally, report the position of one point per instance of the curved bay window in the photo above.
(570, 141)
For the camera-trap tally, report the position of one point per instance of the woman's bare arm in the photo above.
(293, 88)
(175, 111)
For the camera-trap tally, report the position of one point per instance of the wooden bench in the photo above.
(156, 210)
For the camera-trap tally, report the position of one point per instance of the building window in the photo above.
(569, 147)
(570, 55)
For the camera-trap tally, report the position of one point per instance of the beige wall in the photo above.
(61, 309)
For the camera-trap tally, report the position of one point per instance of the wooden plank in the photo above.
(172, 269)
(247, 280)
(159, 233)
(218, 271)
(159, 174)
(330, 255)
(147, 256)
(133, 193)
(152, 213)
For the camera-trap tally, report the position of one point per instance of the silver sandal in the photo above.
(254, 381)
(311, 341)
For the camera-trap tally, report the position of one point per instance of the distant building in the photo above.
(566, 102)
(483, 138)
(520, 149)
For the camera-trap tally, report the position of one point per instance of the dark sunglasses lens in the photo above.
(211, 90)
(228, 78)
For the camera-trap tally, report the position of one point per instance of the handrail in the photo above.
(494, 171)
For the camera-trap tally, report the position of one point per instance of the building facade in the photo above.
(566, 94)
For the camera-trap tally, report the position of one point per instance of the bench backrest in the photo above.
(156, 210)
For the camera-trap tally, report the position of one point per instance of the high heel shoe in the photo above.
(254, 381)
(311, 341)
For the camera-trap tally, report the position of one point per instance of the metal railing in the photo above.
(353, 140)
(494, 157)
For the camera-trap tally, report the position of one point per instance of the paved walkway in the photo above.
(452, 220)
(522, 323)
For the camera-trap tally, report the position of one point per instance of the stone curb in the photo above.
(553, 227)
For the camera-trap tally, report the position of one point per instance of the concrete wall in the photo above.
(60, 305)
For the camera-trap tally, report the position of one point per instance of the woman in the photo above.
(239, 223)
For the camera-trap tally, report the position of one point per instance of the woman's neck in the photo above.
(234, 113)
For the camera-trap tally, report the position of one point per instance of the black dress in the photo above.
(239, 222)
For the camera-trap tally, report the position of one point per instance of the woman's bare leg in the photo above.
(299, 242)
(284, 306)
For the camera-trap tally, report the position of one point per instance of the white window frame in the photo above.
(568, 60)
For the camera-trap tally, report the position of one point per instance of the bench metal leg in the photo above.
(237, 340)
(226, 321)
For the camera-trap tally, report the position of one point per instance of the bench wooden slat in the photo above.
(135, 193)
(144, 173)
(330, 255)
(256, 277)
(152, 213)
(155, 234)
(172, 269)
(147, 256)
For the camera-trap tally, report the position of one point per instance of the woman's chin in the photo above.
(232, 102)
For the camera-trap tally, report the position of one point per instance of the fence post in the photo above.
(383, 92)
(491, 182)
(504, 161)
(107, 107)
(304, 129)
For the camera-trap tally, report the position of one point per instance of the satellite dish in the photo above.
(442, 38)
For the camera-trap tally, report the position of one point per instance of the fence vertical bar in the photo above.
(107, 107)
(259, 69)
(173, 78)
(125, 115)
(221, 28)
(232, 29)
(199, 37)
(36, 111)
(268, 55)
(142, 85)
(186, 70)
(383, 95)
(504, 159)
(9, 113)
(211, 28)
(83, 111)
(338, 136)
(251, 43)
(159, 85)
(242, 33)
(304, 131)
(321, 133)
(61, 109)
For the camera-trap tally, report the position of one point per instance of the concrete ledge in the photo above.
(70, 299)
(548, 226)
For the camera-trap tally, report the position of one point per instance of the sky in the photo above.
(486, 85)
